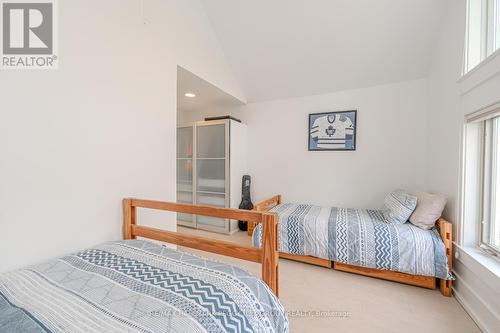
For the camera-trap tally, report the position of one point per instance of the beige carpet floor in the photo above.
(354, 303)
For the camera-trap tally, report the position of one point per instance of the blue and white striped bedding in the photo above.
(358, 237)
(136, 286)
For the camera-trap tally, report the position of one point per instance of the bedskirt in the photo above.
(137, 286)
(359, 237)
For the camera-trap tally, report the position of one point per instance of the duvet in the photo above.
(359, 237)
(136, 286)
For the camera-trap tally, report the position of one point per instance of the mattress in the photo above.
(359, 237)
(137, 286)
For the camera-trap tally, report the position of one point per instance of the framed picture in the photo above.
(332, 131)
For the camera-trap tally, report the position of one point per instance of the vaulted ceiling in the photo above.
(290, 48)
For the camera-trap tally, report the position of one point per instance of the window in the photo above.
(483, 31)
(481, 219)
(490, 226)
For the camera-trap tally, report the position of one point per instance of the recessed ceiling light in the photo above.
(190, 95)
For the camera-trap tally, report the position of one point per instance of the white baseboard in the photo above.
(466, 296)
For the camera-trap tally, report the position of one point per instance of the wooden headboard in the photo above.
(267, 255)
(445, 231)
(266, 205)
(263, 207)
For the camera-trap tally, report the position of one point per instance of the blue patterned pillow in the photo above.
(398, 206)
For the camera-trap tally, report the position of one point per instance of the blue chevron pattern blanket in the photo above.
(137, 286)
(358, 237)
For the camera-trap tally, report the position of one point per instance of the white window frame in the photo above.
(489, 209)
(487, 123)
(482, 37)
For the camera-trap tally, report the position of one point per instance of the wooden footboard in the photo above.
(445, 231)
(268, 255)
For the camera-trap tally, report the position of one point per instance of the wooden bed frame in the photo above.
(267, 255)
(445, 231)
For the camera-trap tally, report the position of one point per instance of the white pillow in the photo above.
(429, 209)
(398, 206)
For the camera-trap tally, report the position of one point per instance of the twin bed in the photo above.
(361, 241)
(140, 286)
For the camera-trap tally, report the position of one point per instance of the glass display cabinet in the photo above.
(211, 159)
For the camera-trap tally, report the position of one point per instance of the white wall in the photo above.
(390, 154)
(477, 286)
(75, 141)
(446, 121)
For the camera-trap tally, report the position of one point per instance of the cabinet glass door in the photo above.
(211, 175)
(211, 141)
(211, 223)
(211, 172)
(185, 167)
(185, 142)
(182, 218)
(185, 175)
